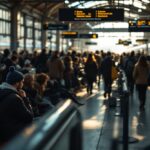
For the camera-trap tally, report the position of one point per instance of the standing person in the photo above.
(140, 75)
(129, 67)
(106, 70)
(56, 67)
(91, 72)
(15, 109)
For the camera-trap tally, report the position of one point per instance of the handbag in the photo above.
(114, 73)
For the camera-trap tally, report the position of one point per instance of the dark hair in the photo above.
(143, 61)
(41, 78)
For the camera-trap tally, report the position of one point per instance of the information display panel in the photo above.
(141, 25)
(72, 34)
(56, 26)
(70, 14)
(69, 34)
(88, 36)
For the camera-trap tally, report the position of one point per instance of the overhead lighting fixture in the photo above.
(139, 10)
(66, 1)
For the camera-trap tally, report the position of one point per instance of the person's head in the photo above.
(15, 78)
(6, 52)
(41, 82)
(142, 61)
(29, 80)
(42, 79)
(14, 59)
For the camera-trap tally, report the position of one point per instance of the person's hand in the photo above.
(22, 93)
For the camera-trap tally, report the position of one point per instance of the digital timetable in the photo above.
(70, 14)
(141, 25)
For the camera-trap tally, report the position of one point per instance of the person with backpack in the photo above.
(15, 109)
(129, 67)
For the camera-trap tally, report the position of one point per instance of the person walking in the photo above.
(140, 76)
(91, 72)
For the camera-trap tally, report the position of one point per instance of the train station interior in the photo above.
(74, 75)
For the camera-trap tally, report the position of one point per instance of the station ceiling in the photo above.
(49, 8)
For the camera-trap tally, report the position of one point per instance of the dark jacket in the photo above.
(91, 70)
(15, 113)
(106, 68)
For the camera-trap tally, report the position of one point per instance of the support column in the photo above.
(43, 37)
(147, 36)
(14, 31)
(58, 40)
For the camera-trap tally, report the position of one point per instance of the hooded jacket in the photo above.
(14, 113)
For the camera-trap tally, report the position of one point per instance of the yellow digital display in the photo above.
(141, 25)
(70, 14)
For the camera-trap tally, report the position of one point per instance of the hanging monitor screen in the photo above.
(70, 14)
(88, 36)
(55, 26)
(69, 34)
(141, 25)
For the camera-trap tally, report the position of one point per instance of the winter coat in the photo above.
(140, 74)
(91, 70)
(56, 68)
(15, 112)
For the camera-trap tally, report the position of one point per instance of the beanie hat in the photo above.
(13, 76)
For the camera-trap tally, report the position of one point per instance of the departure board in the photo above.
(55, 26)
(88, 36)
(69, 34)
(141, 25)
(70, 14)
(72, 34)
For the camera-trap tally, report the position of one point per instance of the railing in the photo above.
(124, 112)
(60, 129)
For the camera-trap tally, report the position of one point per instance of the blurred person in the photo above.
(91, 72)
(140, 75)
(106, 70)
(56, 67)
(27, 66)
(41, 81)
(41, 61)
(15, 109)
(68, 71)
(129, 67)
(31, 92)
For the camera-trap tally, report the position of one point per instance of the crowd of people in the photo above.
(29, 81)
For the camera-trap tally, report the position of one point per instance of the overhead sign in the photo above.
(90, 43)
(56, 26)
(141, 25)
(88, 36)
(72, 34)
(142, 40)
(124, 42)
(70, 14)
(69, 34)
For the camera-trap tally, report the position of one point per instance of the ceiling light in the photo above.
(66, 2)
(139, 10)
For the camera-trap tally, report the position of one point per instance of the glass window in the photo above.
(1, 13)
(3, 27)
(29, 22)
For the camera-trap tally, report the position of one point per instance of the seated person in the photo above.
(31, 92)
(15, 110)
(41, 81)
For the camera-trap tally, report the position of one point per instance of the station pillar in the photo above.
(58, 40)
(14, 29)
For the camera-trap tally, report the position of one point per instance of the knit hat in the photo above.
(13, 76)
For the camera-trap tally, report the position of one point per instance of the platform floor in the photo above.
(100, 124)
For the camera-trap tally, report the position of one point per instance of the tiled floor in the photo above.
(100, 124)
